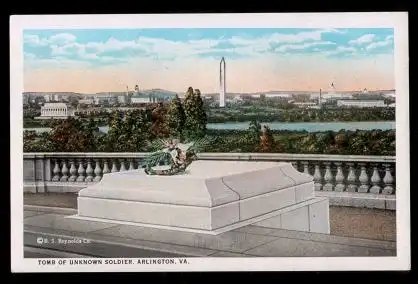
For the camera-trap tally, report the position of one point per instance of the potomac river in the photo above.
(292, 126)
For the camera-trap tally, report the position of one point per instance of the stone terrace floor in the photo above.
(345, 221)
(113, 240)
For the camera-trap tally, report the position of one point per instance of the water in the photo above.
(310, 126)
(38, 129)
(295, 126)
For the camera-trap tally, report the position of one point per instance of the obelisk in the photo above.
(222, 82)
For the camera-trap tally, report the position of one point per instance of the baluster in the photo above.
(97, 171)
(106, 169)
(122, 165)
(56, 171)
(131, 165)
(139, 164)
(375, 179)
(388, 180)
(317, 177)
(339, 178)
(64, 171)
(114, 167)
(364, 179)
(351, 178)
(81, 171)
(73, 171)
(328, 177)
(89, 171)
(306, 167)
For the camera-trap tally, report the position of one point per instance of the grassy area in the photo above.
(275, 113)
(32, 123)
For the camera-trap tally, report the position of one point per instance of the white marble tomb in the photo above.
(210, 197)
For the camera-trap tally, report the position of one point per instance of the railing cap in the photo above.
(227, 156)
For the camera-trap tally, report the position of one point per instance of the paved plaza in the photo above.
(365, 223)
(65, 237)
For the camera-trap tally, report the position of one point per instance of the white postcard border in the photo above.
(396, 20)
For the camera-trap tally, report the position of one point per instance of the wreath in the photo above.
(172, 157)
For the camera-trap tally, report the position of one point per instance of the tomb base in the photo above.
(211, 197)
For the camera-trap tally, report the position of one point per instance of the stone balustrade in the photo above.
(363, 174)
(334, 175)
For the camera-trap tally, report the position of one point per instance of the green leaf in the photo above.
(200, 144)
(155, 158)
(157, 144)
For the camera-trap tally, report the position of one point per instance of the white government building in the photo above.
(279, 95)
(56, 111)
(123, 99)
(86, 101)
(361, 103)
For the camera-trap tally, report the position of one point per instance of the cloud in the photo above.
(62, 38)
(367, 38)
(154, 46)
(89, 56)
(66, 44)
(109, 59)
(263, 44)
(58, 39)
(72, 48)
(331, 30)
(253, 63)
(247, 46)
(296, 38)
(288, 47)
(28, 56)
(378, 44)
(340, 50)
(171, 49)
(113, 50)
(112, 44)
(34, 40)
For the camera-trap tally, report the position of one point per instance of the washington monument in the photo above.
(222, 82)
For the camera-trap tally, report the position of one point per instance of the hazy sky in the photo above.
(99, 60)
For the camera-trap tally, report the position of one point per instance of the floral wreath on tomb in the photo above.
(172, 157)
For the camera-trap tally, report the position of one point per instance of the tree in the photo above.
(37, 142)
(254, 132)
(159, 127)
(266, 140)
(135, 130)
(71, 135)
(251, 138)
(92, 130)
(176, 117)
(111, 141)
(29, 138)
(307, 144)
(128, 132)
(196, 118)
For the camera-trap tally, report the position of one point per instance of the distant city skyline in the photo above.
(259, 60)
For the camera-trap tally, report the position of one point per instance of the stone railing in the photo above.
(350, 178)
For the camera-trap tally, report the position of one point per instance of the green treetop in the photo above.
(196, 118)
(71, 135)
(176, 117)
